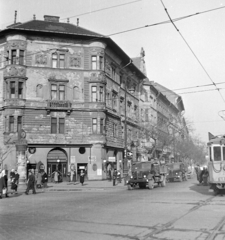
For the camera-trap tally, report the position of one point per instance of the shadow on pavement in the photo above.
(201, 189)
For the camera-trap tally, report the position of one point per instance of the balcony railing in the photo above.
(59, 105)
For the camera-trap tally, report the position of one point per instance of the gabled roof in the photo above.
(56, 27)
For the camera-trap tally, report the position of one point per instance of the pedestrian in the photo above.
(44, 179)
(39, 180)
(12, 174)
(2, 183)
(30, 183)
(114, 177)
(15, 182)
(5, 176)
(56, 176)
(82, 177)
(109, 170)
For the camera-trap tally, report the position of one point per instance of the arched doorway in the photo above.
(57, 160)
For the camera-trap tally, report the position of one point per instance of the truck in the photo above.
(177, 171)
(147, 175)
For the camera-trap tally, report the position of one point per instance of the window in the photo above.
(94, 94)
(53, 125)
(94, 62)
(58, 92)
(94, 125)
(97, 62)
(13, 57)
(114, 100)
(113, 73)
(115, 130)
(20, 90)
(53, 92)
(21, 57)
(217, 153)
(11, 124)
(61, 61)
(12, 90)
(61, 92)
(54, 60)
(19, 123)
(58, 60)
(101, 94)
(57, 125)
(101, 125)
(61, 125)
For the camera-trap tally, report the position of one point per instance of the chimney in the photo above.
(68, 20)
(15, 16)
(34, 17)
(48, 18)
(78, 22)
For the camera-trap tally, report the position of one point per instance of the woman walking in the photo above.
(15, 182)
(82, 177)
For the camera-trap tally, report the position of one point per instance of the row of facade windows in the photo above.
(58, 60)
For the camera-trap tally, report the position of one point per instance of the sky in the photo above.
(191, 57)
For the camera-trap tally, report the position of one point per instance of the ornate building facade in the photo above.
(70, 93)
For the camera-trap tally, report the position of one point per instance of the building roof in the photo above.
(174, 98)
(52, 26)
(56, 27)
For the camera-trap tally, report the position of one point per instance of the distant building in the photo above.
(66, 89)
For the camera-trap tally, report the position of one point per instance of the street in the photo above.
(181, 210)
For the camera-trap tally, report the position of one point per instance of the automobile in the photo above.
(177, 171)
(147, 175)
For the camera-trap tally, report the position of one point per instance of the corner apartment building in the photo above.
(70, 91)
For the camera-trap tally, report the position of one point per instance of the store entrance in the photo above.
(57, 161)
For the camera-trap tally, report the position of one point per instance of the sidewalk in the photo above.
(88, 185)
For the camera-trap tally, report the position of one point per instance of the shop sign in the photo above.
(111, 159)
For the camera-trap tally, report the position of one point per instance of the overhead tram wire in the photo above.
(134, 29)
(171, 20)
(102, 9)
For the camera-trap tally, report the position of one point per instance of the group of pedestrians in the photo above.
(113, 174)
(14, 179)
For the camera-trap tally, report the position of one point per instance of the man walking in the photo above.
(30, 183)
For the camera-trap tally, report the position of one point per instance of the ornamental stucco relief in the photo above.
(18, 44)
(15, 71)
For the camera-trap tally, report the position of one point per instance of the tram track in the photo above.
(167, 226)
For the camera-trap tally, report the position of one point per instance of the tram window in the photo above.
(217, 153)
(223, 153)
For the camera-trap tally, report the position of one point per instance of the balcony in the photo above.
(59, 105)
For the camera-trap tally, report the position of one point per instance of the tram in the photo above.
(216, 163)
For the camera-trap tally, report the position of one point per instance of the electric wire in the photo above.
(101, 9)
(192, 52)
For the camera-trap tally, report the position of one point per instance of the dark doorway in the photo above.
(62, 169)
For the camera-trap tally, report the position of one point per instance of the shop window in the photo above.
(97, 62)
(94, 125)
(11, 123)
